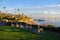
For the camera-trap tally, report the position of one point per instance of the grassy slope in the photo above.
(10, 33)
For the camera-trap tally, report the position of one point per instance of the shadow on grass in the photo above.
(14, 29)
(13, 33)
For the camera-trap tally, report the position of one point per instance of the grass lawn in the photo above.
(11, 33)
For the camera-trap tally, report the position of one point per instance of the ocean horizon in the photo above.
(49, 21)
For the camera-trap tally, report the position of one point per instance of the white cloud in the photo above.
(44, 9)
(54, 5)
(53, 12)
(45, 12)
(49, 9)
(49, 12)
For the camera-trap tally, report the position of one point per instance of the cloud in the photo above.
(49, 9)
(42, 9)
(53, 12)
(54, 5)
(49, 12)
(45, 12)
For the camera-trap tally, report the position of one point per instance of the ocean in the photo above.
(54, 22)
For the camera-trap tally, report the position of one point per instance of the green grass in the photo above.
(11, 33)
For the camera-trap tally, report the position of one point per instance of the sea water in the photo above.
(55, 22)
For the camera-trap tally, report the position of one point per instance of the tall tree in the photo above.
(4, 8)
(18, 10)
(15, 10)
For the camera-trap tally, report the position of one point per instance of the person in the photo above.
(41, 29)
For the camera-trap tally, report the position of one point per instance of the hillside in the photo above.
(16, 18)
(12, 33)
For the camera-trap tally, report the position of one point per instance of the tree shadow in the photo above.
(12, 29)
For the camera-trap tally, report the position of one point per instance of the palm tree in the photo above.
(18, 10)
(15, 11)
(4, 8)
(4, 5)
(0, 11)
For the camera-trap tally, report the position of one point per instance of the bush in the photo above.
(51, 26)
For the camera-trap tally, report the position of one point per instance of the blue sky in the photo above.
(28, 3)
(32, 4)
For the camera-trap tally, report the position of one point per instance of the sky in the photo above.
(32, 6)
